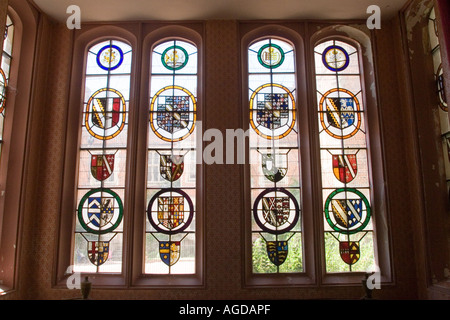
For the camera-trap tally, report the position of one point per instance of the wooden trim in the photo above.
(15, 150)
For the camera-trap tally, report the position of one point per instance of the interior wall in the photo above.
(224, 201)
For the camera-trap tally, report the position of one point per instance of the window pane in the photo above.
(348, 219)
(170, 239)
(274, 159)
(102, 159)
(5, 71)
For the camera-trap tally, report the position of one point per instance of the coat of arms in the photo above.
(171, 211)
(171, 166)
(277, 251)
(345, 167)
(274, 166)
(169, 251)
(102, 166)
(98, 252)
(349, 251)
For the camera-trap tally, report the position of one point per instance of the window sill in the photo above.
(439, 290)
(4, 290)
(97, 280)
(278, 280)
(168, 281)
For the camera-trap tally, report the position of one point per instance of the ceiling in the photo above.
(132, 10)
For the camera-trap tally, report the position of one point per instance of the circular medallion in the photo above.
(172, 113)
(272, 111)
(340, 113)
(174, 58)
(335, 58)
(271, 56)
(110, 57)
(105, 114)
(3, 84)
(100, 211)
(276, 211)
(347, 211)
(170, 211)
(441, 89)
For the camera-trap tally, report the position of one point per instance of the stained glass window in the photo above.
(348, 219)
(171, 160)
(98, 238)
(440, 92)
(274, 158)
(5, 70)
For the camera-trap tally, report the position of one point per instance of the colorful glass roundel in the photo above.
(271, 55)
(172, 113)
(335, 58)
(276, 210)
(105, 114)
(174, 58)
(170, 211)
(110, 57)
(347, 211)
(340, 113)
(100, 211)
(272, 111)
(3, 84)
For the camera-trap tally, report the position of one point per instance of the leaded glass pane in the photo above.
(347, 211)
(5, 71)
(441, 99)
(274, 158)
(98, 239)
(170, 234)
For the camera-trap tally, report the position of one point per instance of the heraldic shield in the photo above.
(274, 166)
(171, 167)
(98, 252)
(171, 211)
(277, 251)
(100, 210)
(169, 251)
(345, 167)
(340, 112)
(102, 166)
(276, 210)
(349, 251)
(347, 213)
(273, 110)
(106, 112)
(173, 114)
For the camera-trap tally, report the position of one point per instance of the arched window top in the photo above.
(110, 56)
(6, 62)
(274, 54)
(336, 56)
(9, 36)
(174, 55)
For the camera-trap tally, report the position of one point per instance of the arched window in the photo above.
(170, 243)
(344, 158)
(440, 91)
(99, 210)
(275, 184)
(5, 70)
